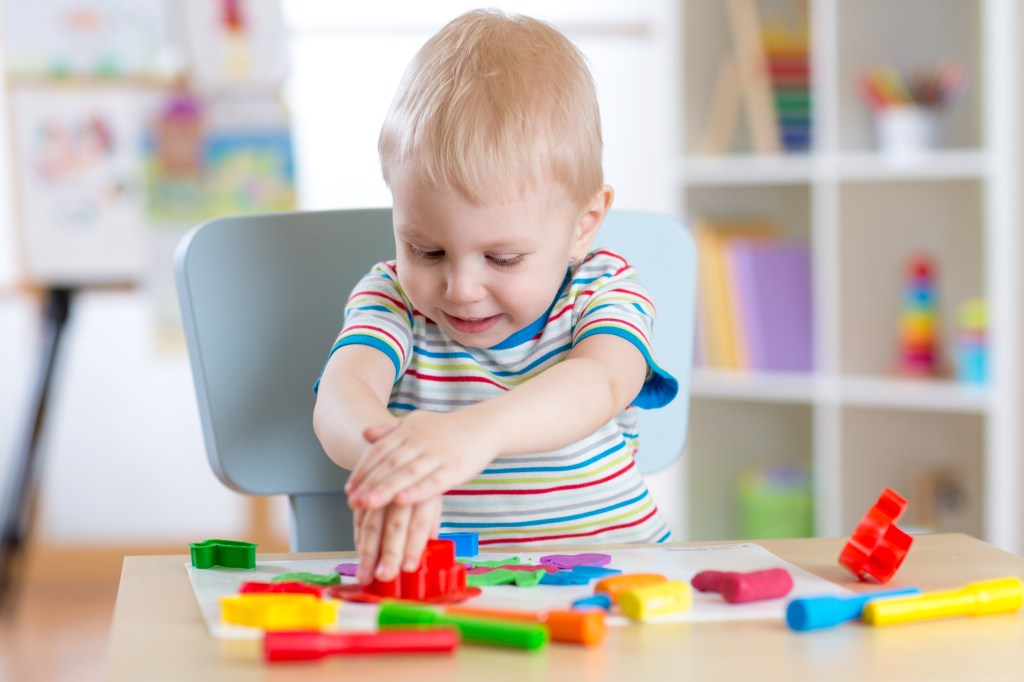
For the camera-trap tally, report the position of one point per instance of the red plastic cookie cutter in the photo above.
(439, 579)
(877, 547)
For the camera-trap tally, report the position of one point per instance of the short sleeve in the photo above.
(612, 301)
(379, 315)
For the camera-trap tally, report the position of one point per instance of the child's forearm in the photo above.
(563, 404)
(346, 405)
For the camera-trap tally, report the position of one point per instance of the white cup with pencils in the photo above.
(908, 112)
(906, 131)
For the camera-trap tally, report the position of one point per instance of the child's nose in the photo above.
(463, 285)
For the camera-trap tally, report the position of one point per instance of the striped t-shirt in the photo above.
(589, 491)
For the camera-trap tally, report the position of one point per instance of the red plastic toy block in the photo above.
(877, 547)
(439, 578)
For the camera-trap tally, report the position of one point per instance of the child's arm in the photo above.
(353, 392)
(353, 395)
(427, 453)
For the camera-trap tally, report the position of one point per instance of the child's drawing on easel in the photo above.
(235, 42)
(79, 193)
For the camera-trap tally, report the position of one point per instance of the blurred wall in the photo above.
(123, 459)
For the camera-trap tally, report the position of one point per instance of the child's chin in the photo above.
(473, 340)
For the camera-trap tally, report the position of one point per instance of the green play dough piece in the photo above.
(503, 576)
(311, 578)
(495, 563)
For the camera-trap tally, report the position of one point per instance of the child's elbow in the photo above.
(625, 380)
(319, 421)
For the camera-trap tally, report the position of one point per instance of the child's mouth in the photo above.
(476, 325)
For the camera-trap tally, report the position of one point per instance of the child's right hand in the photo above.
(419, 456)
(392, 538)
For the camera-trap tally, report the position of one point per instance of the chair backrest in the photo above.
(665, 258)
(262, 300)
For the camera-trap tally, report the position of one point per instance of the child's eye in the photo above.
(425, 254)
(504, 261)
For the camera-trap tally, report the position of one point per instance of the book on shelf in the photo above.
(719, 342)
(754, 307)
(773, 282)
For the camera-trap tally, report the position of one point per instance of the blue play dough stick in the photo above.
(813, 613)
(600, 600)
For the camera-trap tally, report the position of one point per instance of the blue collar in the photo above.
(532, 329)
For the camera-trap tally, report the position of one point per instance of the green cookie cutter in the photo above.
(226, 553)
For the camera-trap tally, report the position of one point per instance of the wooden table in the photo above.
(158, 633)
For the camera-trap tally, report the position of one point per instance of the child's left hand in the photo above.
(425, 455)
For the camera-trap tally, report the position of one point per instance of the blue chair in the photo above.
(262, 298)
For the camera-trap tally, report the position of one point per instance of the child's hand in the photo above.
(421, 457)
(393, 538)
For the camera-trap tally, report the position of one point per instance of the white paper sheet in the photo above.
(675, 563)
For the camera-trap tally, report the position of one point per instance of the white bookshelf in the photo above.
(854, 424)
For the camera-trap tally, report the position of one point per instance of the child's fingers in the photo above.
(380, 462)
(422, 522)
(357, 520)
(382, 472)
(380, 486)
(393, 541)
(373, 458)
(432, 484)
(368, 548)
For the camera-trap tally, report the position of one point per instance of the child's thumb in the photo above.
(374, 433)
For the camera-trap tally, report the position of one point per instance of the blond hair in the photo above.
(493, 105)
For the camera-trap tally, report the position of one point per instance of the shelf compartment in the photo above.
(733, 437)
(934, 460)
(882, 225)
(874, 32)
(787, 206)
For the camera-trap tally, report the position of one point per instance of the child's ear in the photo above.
(590, 220)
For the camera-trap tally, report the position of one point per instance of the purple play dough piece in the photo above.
(349, 570)
(567, 561)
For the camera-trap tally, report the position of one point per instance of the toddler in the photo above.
(486, 380)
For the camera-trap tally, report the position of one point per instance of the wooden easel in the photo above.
(743, 76)
(20, 498)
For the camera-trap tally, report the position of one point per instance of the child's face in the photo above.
(482, 272)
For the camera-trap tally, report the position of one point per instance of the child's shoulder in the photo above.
(383, 275)
(384, 268)
(603, 273)
(603, 262)
(380, 280)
